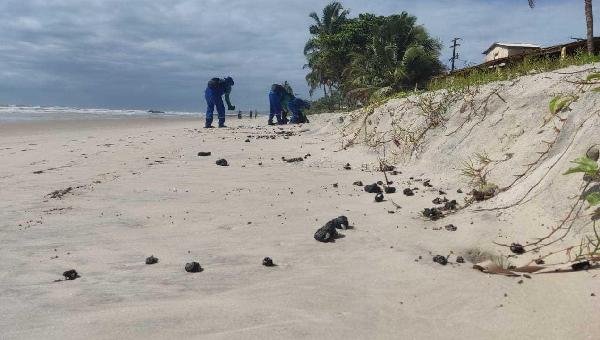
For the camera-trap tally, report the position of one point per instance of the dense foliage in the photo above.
(356, 59)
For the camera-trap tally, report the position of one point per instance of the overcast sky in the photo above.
(159, 54)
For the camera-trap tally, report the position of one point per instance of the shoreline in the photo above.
(42, 126)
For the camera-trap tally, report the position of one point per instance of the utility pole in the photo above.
(455, 44)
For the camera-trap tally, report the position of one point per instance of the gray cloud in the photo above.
(151, 54)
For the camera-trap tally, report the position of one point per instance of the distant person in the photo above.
(215, 90)
(296, 106)
(250, 113)
(278, 102)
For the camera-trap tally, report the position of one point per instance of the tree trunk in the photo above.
(589, 19)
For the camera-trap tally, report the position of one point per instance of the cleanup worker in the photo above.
(279, 99)
(275, 103)
(296, 105)
(215, 90)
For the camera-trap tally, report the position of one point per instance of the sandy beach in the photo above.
(140, 189)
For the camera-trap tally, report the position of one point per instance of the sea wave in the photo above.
(28, 113)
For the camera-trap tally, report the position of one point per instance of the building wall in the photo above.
(499, 52)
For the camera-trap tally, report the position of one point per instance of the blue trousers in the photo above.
(214, 99)
(296, 114)
(275, 106)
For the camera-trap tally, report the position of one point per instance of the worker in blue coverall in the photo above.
(279, 98)
(296, 105)
(215, 90)
(275, 103)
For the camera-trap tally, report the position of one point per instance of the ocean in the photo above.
(14, 113)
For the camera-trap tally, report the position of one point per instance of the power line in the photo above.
(455, 44)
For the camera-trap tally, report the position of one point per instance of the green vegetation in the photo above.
(367, 59)
(530, 65)
(584, 165)
(330, 103)
(561, 103)
(356, 60)
(589, 248)
(593, 77)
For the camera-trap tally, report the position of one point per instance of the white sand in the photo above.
(369, 284)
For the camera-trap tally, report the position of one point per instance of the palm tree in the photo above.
(333, 16)
(589, 20)
(399, 54)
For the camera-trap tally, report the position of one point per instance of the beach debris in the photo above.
(328, 232)
(585, 265)
(268, 262)
(38, 172)
(389, 190)
(395, 173)
(193, 267)
(451, 227)
(71, 275)
(247, 141)
(593, 153)
(358, 183)
(347, 166)
(60, 193)
(452, 205)
(427, 184)
(439, 200)
(335, 185)
(433, 214)
(408, 192)
(285, 133)
(373, 188)
(379, 198)
(460, 259)
(516, 248)
(485, 193)
(459, 191)
(151, 260)
(440, 259)
(222, 162)
(292, 160)
(490, 267)
(340, 222)
(204, 154)
(386, 168)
